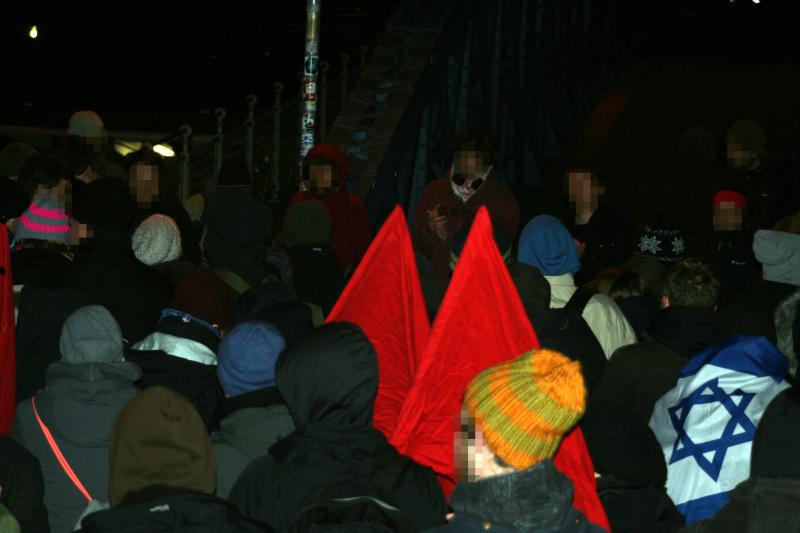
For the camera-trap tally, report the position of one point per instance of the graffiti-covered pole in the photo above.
(308, 123)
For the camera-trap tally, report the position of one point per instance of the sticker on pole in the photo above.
(312, 65)
(310, 90)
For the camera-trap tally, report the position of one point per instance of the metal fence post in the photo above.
(185, 166)
(343, 78)
(252, 100)
(218, 139)
(276, 144)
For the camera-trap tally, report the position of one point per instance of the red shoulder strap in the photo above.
(60, 456)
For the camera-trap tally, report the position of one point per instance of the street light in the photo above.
(163, 150)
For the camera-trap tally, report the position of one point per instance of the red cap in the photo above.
(729, 196)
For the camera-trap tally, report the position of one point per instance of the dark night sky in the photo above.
(150, 65)
(154, 65)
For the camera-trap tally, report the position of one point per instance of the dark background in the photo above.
(155, 65)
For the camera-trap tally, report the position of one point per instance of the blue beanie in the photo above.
(547, 245)
(247, 356)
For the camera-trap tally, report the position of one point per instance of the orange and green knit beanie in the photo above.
(526, 405)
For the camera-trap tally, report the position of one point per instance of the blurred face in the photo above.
(144, 184)
(470, 164)
(322, 179)
(61, 194)
(79, 233)
(474, 460)
(727, 217)
(584, 192)
(740, 159)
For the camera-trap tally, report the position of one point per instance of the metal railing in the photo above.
(268, 140)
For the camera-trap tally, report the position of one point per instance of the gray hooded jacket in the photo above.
(84, 392)
(779, 254)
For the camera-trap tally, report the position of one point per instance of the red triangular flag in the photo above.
(384, 298)
(481, 323)
(8, 360)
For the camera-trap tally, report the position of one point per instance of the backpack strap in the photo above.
(318, 318)
(60, 456)
(577, 303)
(204, 213)
(234, 281)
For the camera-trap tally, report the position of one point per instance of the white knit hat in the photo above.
(157, 240)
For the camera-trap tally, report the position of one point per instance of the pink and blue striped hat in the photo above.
(44, 221)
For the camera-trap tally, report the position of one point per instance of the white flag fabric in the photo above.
(706, 424)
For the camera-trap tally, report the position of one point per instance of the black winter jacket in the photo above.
(329, 381)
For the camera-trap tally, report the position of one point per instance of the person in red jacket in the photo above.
(325, 171)
(449, 203)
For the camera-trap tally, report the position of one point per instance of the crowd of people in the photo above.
(201, 366)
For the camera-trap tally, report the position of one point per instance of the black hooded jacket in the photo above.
(635, 509)
(23, 487)
(194, 380)
(42, 312)
(608, 238)
(563, 330)
(639, 374)
(111, 276)
(159, 508)
(329, 381)
(239, 231)
(317, 275)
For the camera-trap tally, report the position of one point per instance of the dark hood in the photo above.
(777, 439)
(239, 231)
(91, 335)
(330, 378)
(536, 499)
(329, 381)
(533, 289)
(13, 200)
(92, 350)
(260, 297)
(686, 330)
(335, 156)
(317, 274)
(292, 319)
(42, 314)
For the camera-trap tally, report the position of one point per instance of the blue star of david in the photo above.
(685, 447)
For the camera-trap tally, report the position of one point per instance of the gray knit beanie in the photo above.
(157, 240)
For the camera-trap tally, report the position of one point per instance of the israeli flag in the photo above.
(706, 424)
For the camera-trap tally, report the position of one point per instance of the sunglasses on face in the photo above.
(459, 180)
